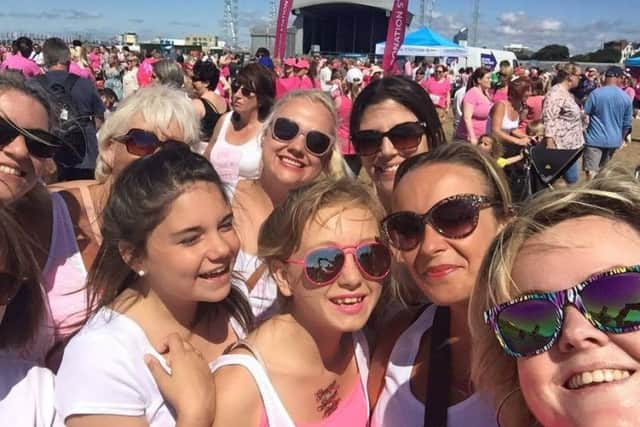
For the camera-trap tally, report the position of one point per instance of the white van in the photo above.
(490, 58)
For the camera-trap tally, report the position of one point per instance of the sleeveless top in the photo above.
(507, 124)
(346, 147)
(234, 162)
(208, 122)
(263, 296)
(274, 411)
(397, 405)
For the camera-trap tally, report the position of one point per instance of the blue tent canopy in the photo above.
(426, 42)
(633, 62)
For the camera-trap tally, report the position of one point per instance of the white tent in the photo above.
(425, 42)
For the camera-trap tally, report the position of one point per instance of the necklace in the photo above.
(327, 399)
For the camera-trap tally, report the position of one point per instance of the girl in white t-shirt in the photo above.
(26, 391)
(164, 267)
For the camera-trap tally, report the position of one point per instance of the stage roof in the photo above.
(381, 4)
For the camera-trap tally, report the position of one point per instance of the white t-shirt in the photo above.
(26, 394)
(103, 372)
(325, 79)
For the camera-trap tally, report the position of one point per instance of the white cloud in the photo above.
(511, 17)
(550, 25)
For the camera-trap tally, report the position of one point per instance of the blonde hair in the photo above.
(159, 105)
(614, 194)
(334, 165)
(535, 128)
(301, 206)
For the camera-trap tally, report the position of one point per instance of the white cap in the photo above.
(354, 75)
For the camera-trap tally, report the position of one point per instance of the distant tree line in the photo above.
(557, 52)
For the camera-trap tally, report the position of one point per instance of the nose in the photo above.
(296, 146)
(221, 246)
(350, 276)
(432, 244)
(387, 150)
(578, 333)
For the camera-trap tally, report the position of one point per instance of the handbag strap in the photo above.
(439, 371)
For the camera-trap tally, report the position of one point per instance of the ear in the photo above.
(281, 277)
(108, 153)
(127, 253)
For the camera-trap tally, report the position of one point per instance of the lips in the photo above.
(597, 377)
(440, 271)
(215, 273)
(385, 171)
(349, 304)
(291, 162)
(9, 170)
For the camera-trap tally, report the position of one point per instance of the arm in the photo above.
(214, 136)
(105, 421)
(240, 404)
(511, 160)
(628, 121)
(550, 111)
(467, 114)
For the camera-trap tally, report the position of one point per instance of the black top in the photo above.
(208, 122)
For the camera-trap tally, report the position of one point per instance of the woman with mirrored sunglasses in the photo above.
(298, 141)
(234, 149)
(308, 363)
(554, 318)
(447, 206)
(26, 390)
(392, 119)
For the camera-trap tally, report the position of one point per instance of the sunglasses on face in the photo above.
(316, 142)
(404, 137)
(40, 143)
(323, 265)
(142, 143)
(532, 323)
(455, 217)
(9, 287)
(245, 91)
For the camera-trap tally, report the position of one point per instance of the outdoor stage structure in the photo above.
(331, 27)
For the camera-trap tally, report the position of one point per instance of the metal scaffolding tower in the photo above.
(430, 8)
(476, 23)
(231, 21)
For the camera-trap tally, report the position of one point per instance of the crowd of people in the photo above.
(308, 242)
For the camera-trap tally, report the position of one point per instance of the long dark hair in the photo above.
(405, 92)
(261, 80)
(25, 312)
(138, 203)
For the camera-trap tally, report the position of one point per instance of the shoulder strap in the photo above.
(92, 216)
(439, 371)
(242, 343)
(382, 354)
(69, 82)
(255, 276)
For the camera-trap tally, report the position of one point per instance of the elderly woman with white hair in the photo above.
(144, 121)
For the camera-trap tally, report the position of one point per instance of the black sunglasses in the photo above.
(141, 143)
(404, 137)
(40, 143)
(316, 142)
(455, 217)
(246, 92)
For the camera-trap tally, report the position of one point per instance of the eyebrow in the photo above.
(195, 229)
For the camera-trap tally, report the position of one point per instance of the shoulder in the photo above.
(241, 396)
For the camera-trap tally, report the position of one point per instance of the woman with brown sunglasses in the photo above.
(447, 206)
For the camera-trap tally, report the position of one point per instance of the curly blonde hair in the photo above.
(615, 194)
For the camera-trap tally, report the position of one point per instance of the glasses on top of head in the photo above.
(532, 323)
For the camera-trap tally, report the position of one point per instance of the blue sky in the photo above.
(581, 24)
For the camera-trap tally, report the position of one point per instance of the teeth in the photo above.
(292, 162)
(216, 272)
(596, 377)
(9, 170)
(347, 301)
(388, 168)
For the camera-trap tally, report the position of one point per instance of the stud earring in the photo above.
(141, 273)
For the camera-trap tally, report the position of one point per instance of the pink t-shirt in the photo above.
(638, 92)
(286, 84)
(145, 71)
(306, 83)
(481, 106)
(534, 105)
(27, 67)
(344, 112)
(631, 92)
(501, 95)
(95, 61)
(85, 73)
(438, 91)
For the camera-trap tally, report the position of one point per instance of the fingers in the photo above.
(157, 371)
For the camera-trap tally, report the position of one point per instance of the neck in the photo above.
(246, 118)
(317, 346)
(182, 311)
(59, 67)
(274, 189)
(565, 85)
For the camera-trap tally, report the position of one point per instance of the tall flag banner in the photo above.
(395, 34)
(280, 44)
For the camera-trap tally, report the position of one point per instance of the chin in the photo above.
(213, 295)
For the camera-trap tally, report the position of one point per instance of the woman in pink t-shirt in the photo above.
(439, 89)
(476, 105)
(533, 103)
